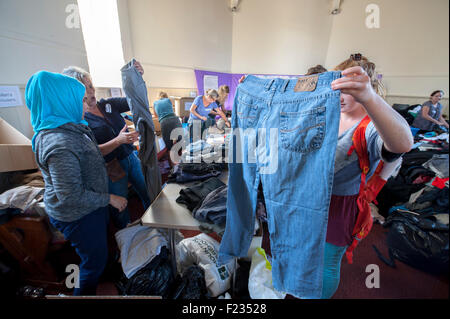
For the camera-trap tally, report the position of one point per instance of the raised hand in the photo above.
(356, 83)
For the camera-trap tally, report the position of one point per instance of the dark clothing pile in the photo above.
(192, 196)
(213, 208)
(190, 172)
(416, 204)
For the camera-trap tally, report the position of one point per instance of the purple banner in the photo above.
(223, 79)
(230, 79)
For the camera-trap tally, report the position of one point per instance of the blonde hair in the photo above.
(212, 94)
(360, 60)
(163, 95)
(223, 90)
(316, 70)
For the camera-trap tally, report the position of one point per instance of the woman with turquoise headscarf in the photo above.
(76, 184)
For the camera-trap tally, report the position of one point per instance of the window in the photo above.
(102, 39)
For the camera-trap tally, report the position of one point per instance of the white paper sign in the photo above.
(210, 82)
(116, 92)
(10, 96)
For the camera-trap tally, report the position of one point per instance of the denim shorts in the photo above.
(284, 136)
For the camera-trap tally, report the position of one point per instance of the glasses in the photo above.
(356, 56)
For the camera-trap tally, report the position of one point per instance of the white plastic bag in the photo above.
(260, 278)
(202, 250)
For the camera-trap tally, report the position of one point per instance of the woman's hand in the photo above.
(139, 67)
(125, 137)
(118, 202)
(228, 124)
(356, 83)
(203, 118)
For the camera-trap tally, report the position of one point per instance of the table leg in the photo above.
(173, 251)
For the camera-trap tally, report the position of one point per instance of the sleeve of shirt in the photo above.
(65, 171)
(197, 100)
(118, 104)
(375, 146)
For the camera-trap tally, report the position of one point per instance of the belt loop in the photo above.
(284, 86)
(269, 84)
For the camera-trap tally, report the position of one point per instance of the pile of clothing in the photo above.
(20, 193)
(213, 150)
(207, 200)
(191, 172)
(424, 169)
(431, 141)
(415, 206)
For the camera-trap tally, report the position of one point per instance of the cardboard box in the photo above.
(15, 149)
(183, 105)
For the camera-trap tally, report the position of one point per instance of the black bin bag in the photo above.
(417, 240)
(155, 279)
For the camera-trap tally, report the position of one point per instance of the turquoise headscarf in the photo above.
(54, 99)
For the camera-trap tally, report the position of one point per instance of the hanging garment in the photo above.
(136, 92)
(294, 124)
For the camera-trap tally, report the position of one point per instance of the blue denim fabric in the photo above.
(132, 167)
(295, 165)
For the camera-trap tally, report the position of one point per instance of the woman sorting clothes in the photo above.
(115, 143)
(200, 109)
(430, 117)
(167, 119)
(224, 91)
(76, 194)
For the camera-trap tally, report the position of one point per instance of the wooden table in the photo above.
(165, 212)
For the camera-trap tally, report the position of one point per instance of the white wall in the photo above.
(171, 38)
(33, 37)
(411, 47)
(280, 37)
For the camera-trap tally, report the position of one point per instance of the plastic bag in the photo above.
(155, 279)
(191, 285)
(420, 241)
(202, 250)
(260, 279)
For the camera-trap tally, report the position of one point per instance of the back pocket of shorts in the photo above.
(303, 131)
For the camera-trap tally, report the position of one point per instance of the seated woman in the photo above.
(429, 118)
(76, 194)
(200, 108)
(167, 118)
(115, 143)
